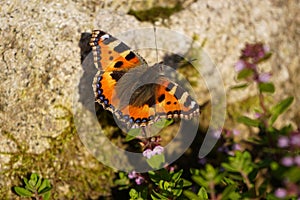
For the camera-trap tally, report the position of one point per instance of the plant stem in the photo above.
(212, 190)
(246, 179)
(265, 117)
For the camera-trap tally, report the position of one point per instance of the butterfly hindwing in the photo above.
(135, 93)
(173, 101)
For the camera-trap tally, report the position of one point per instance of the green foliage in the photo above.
(155, 13)
(138, 195)
(248, 121)
(240, 163)
(245, 73)
(206, 178)
(123, 181)
(168, 185)
(266, 87)
(280, 108)
(256, 171)
(36, 187)
(136, 132)
(156, 161)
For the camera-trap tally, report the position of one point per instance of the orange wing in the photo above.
(148, 103)
(110, 54)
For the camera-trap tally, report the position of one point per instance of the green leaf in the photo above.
(248, 121)
(25, 181)
(45, 186)
(266, 57)
(156, 161)
(280, 108)
(266, 87)
(32, 183)
(241, 162)
(176, 192)
(240, 86)
(34, 178)
(195, 171)
(133, 194)
(163, 123)
(293, 174)
(163, 185)
(157, 196)
(47, 189)
(202, 193)
(200, 181)
(186, 183)
(229, 193)
(191, 195)
(124, 181)
(176, 176)
(244, 73)
(28, 185)
(30, 188)
(39, 182)
(132, 134)
(23, 192)
(47, 195)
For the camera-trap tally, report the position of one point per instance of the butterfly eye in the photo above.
(105, 36)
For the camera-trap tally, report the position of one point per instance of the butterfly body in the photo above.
(137, 94)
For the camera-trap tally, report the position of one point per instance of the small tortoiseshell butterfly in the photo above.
(124, 85)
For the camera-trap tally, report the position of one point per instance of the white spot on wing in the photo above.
(193, 103)
(105, 36)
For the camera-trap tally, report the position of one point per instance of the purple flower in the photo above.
(202, 161)
(297, 160)
(132, 175)
(237, 147)
(295, 140)
(223, 149)
(236, 132)
(257, 115)
(266, 48)
(264, 77)
(283, 142)
(287, 161)
(254, 52)
(172, 169)
(148, 153)
(157, 150)
(280, 193)
(240, 65)
(139, 180)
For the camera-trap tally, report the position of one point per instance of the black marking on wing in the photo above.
(118, 64)
(121, 47)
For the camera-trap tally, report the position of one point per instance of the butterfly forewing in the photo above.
(135, 93)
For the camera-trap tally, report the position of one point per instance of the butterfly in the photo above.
(137, 94)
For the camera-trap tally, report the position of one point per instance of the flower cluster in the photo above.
(148, 153)
(228, 145)
(151, 146)
(290, 190)
(292, 143)
(150, 143)
(138, 178)
(252, 54)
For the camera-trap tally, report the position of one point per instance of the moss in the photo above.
(155, 13)
(73, 173)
